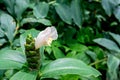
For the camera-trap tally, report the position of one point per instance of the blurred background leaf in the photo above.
(7, 27)
(16, 7)
(10, 59)
(27, 76)
(113, 64)
(68, 66)
(63, 10)
(41, 10)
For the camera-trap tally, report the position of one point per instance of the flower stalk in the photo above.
(32, 54)
(32, 46)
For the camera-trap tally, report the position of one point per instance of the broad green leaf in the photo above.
(89, 78)
(23, 36)
(16, 7)
(11, 59)
(116, 37)
(9, 73)
(83, 57)
(77, 47)
(108, 44)
(111, 6)
(113, 65)
(117, 13)
(10, 5)
(42, 21)
(57, 52)
(45, 22)
(68, 66)
(76, 12)
(114, 3)
(63, 10)
(1, 32)
(70, 77)
(7, 26)
(16, 43)
(21, 75)
(98, 51)
(41, 10)
(91, 54)
(107, 7)
(2, 41)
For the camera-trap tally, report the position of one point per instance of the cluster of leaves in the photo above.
(75, 55)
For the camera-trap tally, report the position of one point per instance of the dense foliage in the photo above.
(87, 48)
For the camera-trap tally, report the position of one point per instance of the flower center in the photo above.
(49, 41)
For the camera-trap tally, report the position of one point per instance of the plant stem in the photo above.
(98, 61)
(16, 30)
(52, 2)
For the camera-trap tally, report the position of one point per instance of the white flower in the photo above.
(46, 37)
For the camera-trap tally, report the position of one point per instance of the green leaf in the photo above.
(77, 47)
(91, 54)
(116, 37)
(68, 66)
(76, 12)
(85, 35)
(7, 26)
(70, 77)
(23, 36)
(21, 75)
(11, 59)
(99, 52)
(113, 65)
(71, 54)
(41, 10)
(2, 41)
(42, 55)
(63, 10)
(89, 78)
(107, 7)
(114, 2)
(1, 32)
(42, 21)
(117, 12)
(108, 44)
(57, 52)
(16, 7)
(9, 73)
(83, 57)
(112, 6)
(48, 49)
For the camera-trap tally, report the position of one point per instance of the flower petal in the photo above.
(44, 37)
(54, 34)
